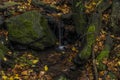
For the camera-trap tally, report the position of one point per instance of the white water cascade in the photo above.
(60, 27)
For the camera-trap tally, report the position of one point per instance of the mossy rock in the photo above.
(30, 29)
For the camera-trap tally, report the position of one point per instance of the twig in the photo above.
(94, 65)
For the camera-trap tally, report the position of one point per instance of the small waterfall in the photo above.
(61, 32)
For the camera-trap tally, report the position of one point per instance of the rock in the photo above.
(30, 29)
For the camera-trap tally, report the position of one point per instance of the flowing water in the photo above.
(61, 33)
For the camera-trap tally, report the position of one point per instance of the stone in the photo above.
(30, 29)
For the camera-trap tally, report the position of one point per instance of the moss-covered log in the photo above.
(86, 52)
(94, 22)
(104, 54)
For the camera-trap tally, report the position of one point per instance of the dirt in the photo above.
(58, 64)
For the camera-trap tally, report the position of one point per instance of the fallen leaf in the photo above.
(35, 61)
(24, 73)
(46, 68)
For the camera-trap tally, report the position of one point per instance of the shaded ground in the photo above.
(59, 64)
(52, 64)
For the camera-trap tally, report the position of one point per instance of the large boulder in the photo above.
(30, 29)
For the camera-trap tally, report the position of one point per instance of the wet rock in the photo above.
(30, 29)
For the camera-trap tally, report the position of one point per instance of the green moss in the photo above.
(86, 52)
(101, 66)
(30, 27)
(104, 54)
(100, 58)
(21, 34)
(47, 31)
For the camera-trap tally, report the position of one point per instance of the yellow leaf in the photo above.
(94, 3)
(11, 78)
(113, 36)
(35, 61)
(103, 32)
(2, 73)
(16, 77)
(88, 7)
(4, 77)
(30, 56)
(24, 73)
(99, 2)
(30, 70)
(119, 63)
(70, 59)
(5, 59)
(46, 68)
(59, 14)
(73, 49)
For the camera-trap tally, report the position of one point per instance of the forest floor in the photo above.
(52, 64)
